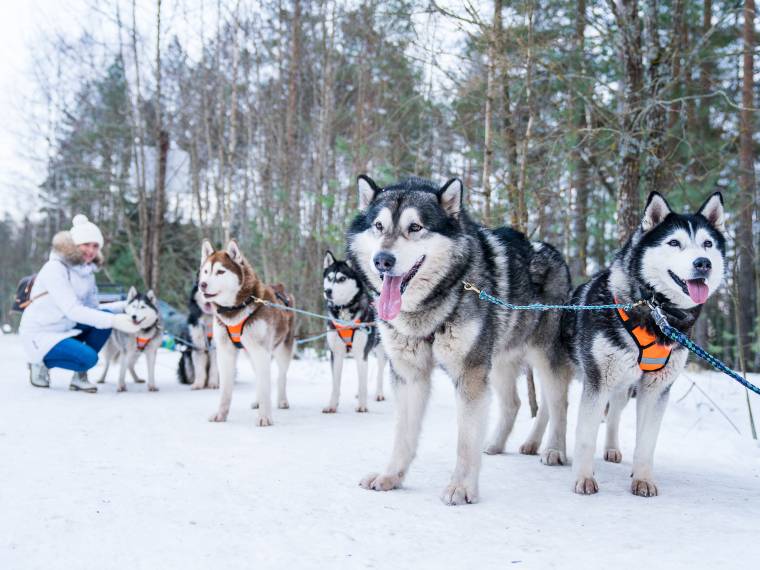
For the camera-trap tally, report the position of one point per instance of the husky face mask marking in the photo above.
(340, 282)
(404, 239)
(220, 274)
(142, 308)
(682, 255)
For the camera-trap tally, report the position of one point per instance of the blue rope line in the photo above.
(311, 338)
(314, 315)
(683, 340)
(483, 296)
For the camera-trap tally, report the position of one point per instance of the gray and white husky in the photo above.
(347, 300)
(197, 365)
(414, 244)
(676, 261)
(127, 348)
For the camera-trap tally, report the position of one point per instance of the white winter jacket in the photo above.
(71, 298)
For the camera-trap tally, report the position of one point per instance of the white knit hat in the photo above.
(84, 231)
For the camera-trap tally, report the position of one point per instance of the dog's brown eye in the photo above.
(674, 243)
(219, 272)
(378, 226)
(415, 227)
(707, 244)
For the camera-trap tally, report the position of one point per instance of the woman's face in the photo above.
(89, 251)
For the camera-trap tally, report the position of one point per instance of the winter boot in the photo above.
(39, 375)
(80, 382)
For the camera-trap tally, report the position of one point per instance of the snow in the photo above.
(143, 480)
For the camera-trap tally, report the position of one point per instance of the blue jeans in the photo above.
(78, 353)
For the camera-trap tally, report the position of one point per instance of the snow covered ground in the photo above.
(143, 481)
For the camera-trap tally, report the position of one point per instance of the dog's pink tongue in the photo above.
(389, 304)
(698, 290)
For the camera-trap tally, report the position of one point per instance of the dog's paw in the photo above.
(121, 388)
(283, 405)
(264, 421)
(218, 417)
(375, 482)
(362, 409)
(195, 386)
(152, 388)
(553, 457)
(586, 486)
(459, 494)
(330, 409)
(644, 488)
(213, 385)
(255, 406)
(380, 398)
(530, 448)
(494, 449)
(613, 455)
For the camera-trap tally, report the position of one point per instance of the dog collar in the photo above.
(653, 356)
(222, 309)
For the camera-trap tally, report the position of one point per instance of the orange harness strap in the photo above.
(142, 342)
(235, 331)
(346, 332)
(210, 331)
(652, 356)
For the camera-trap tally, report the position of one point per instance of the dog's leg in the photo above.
(504, 377)
(200, 361)
(283, 354)
(533, 442)
(362, 368)
(618, 400)
(337, 355)
(410, 373)
(651, 401)
(135, 377)
(554, 381)
(260, 359)
(121, 386)
(590, 413)
(226, 360)
(107, 358)
(380, 356)
(213, 370)
(472, 413)
(150, 358)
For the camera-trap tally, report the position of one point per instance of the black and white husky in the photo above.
(414, 245)
(127, 348)
(347, 300)
(677, 262)
(197, 366)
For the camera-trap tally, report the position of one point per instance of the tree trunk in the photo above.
(581, 149)
(747, 198)
(494, 35)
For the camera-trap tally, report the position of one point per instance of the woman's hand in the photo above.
(123, 323)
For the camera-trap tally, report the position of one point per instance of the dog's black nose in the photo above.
(134, 318)
(203, 285)
(702, 264)
(328, 293)
(384, 261)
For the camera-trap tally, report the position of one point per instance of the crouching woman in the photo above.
(63, 327)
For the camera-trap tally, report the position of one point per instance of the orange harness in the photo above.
(652, 356)
(143, 342)
(235, 331)
(346, 333)
(210, 331)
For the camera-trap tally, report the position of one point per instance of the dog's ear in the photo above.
(131, 294)
(151, 296)
(367, 191)
(329, 259)
(233, 250)
(450, 197)
(206, 250)
(713, 212)
(656, 211)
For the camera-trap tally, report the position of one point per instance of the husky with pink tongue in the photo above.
(413, 245)
(675, 261)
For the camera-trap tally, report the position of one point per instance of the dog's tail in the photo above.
(185, 368)
(550, 274)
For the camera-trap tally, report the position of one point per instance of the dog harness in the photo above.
(346, 333)
(210, 331)
(652, 355)
(142, 342)
(236, 331)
